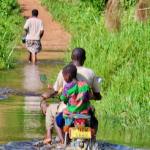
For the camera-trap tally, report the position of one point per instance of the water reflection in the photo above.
(11, 119)
(32, 104)
(20, 117)
(111, 131)
(32, 121)
(32, 78)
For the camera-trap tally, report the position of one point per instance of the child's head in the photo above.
(69, 72)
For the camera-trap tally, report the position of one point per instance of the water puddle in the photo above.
(31, 145)
(21, 119)
(3, 97)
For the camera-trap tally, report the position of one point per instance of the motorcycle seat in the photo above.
(80, 116)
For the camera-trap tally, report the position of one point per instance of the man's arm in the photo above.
(26, 31)
(49, 95)
(41, 33)
(26, 27)
(41, 30)
(57, 87)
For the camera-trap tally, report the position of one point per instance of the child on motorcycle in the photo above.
(76, 94)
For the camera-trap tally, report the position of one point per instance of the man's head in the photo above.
(78, 56)
(69, 72)
(35, 12)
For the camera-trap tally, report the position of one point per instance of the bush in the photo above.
(10, 21)
(99, 4)
(128, 3)
(8, 7)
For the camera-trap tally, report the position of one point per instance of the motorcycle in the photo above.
(79, 133)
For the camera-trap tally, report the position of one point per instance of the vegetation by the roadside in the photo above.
(100, 4)
(10, 25)
(121, 59)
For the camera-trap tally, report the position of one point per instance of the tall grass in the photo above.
(122, 59)
(143, 10)
(10, 25)
(112, 15)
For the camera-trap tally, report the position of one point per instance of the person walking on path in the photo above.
(34, 31)
(83, 74)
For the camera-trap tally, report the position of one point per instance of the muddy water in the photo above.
(20, 117)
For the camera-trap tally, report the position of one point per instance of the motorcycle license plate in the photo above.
(83, 133)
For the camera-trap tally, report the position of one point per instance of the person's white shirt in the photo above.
(34, 27)
(83, 74)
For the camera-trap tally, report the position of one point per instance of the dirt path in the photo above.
(55, 40)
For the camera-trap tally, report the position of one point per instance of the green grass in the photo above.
(10, 28)
(121, 59)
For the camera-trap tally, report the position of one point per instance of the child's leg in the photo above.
(59, 123)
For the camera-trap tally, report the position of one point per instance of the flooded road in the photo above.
(20, 116)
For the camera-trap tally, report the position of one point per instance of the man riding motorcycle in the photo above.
(83, 74)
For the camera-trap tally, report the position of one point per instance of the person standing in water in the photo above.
(34, 31)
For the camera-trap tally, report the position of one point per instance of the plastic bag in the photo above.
(24, 39)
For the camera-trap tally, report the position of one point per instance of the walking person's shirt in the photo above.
(34, 27)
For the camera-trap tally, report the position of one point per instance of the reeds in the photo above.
(9, 22)
(142, 12)
(112, 15)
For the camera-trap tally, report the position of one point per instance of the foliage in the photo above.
(8, 7)
(128, 3)
(121, 59)
(99, 4)
(9, 22)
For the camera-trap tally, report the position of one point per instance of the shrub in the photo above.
(128, 3)
(99, 4)
(10, 21)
